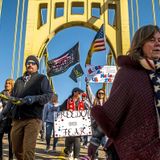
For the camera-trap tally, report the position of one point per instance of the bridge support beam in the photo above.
(38, 33)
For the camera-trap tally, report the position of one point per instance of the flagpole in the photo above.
(79, 82)
(104, 29)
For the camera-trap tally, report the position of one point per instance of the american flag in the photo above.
(98, 43)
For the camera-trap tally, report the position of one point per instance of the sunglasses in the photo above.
(101, 93)
(31, 62)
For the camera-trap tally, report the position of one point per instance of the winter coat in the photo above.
(5, 124)
(37, 86)
(129, 116)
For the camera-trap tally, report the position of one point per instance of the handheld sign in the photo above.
(101, 74)
(72, 123)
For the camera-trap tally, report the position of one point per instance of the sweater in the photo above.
(129, 116)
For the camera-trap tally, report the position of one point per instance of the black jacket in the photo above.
(5, 124)
(38, 86)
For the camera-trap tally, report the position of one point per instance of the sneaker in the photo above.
(85, 146)
(47, 149)
(66, 153)
(85, 158)
(54, 150)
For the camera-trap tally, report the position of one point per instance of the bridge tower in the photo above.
(39, 34)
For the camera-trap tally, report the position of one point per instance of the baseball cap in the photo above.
(77, 90)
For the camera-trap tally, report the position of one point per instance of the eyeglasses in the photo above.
(31, 62)
(101, 93)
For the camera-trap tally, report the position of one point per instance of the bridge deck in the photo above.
(58, 155)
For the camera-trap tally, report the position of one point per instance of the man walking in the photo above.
(35, 91)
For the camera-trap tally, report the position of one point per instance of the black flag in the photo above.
(76, 72)
(61, 64)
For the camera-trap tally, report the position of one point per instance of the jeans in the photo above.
(98, 138)
(49, 129)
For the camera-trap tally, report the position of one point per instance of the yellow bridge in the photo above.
(40, 31)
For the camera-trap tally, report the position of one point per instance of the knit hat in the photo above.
(33, 58)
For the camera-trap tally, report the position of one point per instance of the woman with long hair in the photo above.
(97, 136)
(5, 125)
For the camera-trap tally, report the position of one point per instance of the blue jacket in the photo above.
(48, 113)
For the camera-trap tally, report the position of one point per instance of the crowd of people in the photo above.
(126, 124)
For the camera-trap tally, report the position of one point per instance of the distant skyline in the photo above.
(61, 42)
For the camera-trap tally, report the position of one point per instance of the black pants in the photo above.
(111, 152)
(73, 144)
(1, 146)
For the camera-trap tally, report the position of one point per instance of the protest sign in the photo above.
(101, 74)
(72, 123)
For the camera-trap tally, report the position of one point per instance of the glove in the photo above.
(29, 100)
(1, 117)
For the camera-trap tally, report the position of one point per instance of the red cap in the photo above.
(84, 94)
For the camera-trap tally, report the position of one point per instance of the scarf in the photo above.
(26, 78)
(153, 66)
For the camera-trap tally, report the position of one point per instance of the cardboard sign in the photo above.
(101, 74)
(72, 123)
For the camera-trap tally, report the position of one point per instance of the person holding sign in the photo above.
(73, 103)
(98, 135)
(131, 115)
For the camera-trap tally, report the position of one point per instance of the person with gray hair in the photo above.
(131, 115)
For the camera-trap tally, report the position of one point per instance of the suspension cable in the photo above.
(15, 40)
(20, 39)
(153, 12)
(1, 2)
(137, 12)
(132, 15)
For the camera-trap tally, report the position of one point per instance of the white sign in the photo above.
(101, 74)
(72, 123)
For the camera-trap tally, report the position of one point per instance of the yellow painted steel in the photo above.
(153, 12)
(38, 35)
